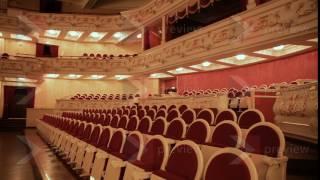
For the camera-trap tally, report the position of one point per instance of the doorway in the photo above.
(16, 101)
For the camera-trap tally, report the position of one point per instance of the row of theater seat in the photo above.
(105, 56)
(185, 114)
(104, 96)
(132, 152)
(245, 91)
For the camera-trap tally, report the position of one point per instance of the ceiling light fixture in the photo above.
(179, 69)
(74, 33)
(74, 76)
(206, 64)
(241, 57)
(139, 36)
(278, 48)
(96, 76)
(51, 75)
(20, 37)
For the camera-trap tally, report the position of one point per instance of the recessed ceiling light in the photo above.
(139, 36)
(96, 77)
(73, 35)
(159, 75)
(21, 79)
(282, 50)
(241, 56)
(74, 76)
(51, 75)
(118, 35)
(52, 33)
(179, 69)
(21, 37)
(206, 64)
(121, 77)
(97, 35)
(278, 48)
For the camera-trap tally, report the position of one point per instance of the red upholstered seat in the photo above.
(266, 139)
(174, 113)
(151, 113)
(230, 164)
(159, 126)
(207, 115)
(185, 163)
(141, 113)
(153, 155)
(171, 107)
(176, 129)
(182, 108)
(226, 114)
(133, 123)
(145, 125)
(226, 134)
(155, 107)
(161, 113)
(104, 139)
(94, 137)
(123, 122)
(250, 117)
(133, 144)
(115, 121)
(116, 141)
(107, 120)
(198, 131)
(189, 115)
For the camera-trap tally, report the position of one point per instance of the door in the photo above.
(17, 100)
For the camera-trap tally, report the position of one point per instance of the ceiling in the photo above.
(106, 7)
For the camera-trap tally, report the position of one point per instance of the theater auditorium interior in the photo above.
(158, 89)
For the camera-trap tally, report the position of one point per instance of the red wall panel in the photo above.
(303, 66)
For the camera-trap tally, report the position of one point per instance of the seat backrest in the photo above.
(199, 131)
(250, 117)
(227, 114)
(189, 115)
(123, 122)
(104, 138)
(174, 113)
(115, 121)
(176, 129)
(80, 130)
(141, 113)
(161, 113)
(145, 125)
(265, 138)
(159, 126)
(226, 134)
(185, 160)
(133, 123)
(182, 108)
(171, 107)
(133, 146)
(230, 164)
(151, 113)
(107, 120)
(207, 115)
(117, 141)
(155, 154)
(94, 137)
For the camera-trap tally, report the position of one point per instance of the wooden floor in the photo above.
(24, 156)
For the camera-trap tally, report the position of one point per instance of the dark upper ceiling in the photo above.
(108, 7)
